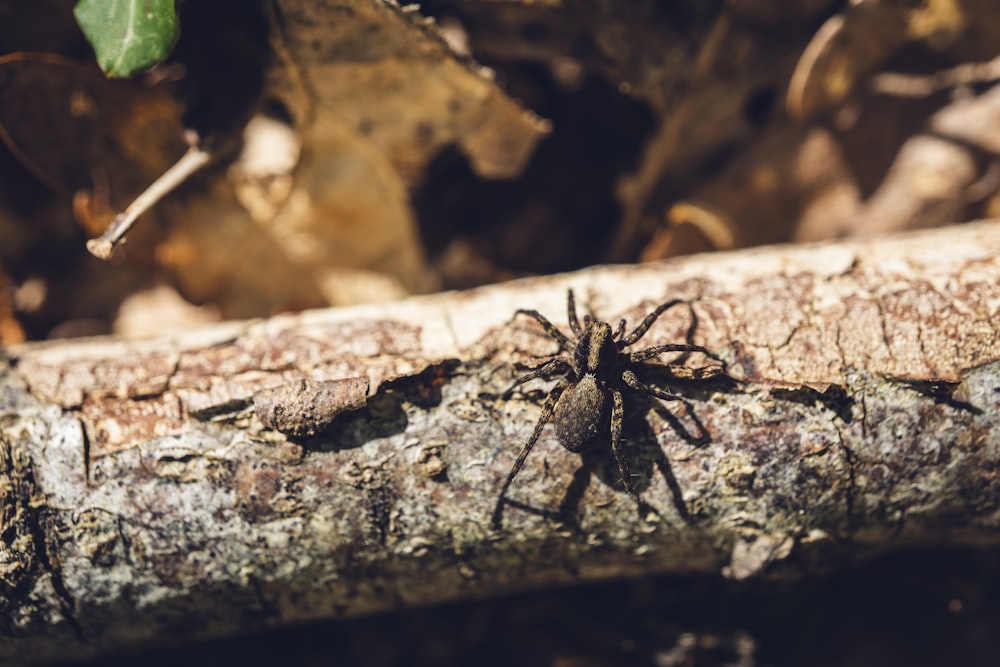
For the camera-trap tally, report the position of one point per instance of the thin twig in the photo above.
(190, 162)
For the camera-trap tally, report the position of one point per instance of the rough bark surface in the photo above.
(142, 500)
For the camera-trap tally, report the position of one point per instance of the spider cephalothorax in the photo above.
(595, 367)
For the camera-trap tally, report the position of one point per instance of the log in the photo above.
(145, 501)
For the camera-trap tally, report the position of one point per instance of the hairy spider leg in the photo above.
(548, 407)
(632, 381)
(542, 371)
(619, 331)
(574, 323)
(643, 327)
(564, 342)
(650, 352)
(679, 372)
(636, 384)
(617, 415)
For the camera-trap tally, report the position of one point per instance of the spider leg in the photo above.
(548, 407)
(688, 373)
(620, 330)
(574, 323)
(556, 365)
(701, 438)
(643, 327)
(650, 352)
(617, 414)
(631, 380)
(550, 329)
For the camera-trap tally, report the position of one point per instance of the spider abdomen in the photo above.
(581, 414)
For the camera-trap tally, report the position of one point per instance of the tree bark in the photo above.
(143, 500)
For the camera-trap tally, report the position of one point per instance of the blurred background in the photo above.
(363, 152)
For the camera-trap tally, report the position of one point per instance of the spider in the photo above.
(595, 367)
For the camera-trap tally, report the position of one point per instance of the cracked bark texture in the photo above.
(143, 501)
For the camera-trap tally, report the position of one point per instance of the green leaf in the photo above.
(128, 36)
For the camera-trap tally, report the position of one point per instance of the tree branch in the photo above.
(142, 499)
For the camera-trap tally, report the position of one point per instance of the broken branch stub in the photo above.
(305, 408)
(861, 418)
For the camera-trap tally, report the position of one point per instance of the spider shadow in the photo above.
(644, 452)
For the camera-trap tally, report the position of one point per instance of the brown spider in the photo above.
(595, 367)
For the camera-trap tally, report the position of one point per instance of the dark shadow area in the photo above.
(567, 191)
(919, 609)
(384, 415)
(646, 453)
(569, 508)
(531, 509)
(223, 412)
(834, 398)
(225, 48)
(660, 458)
(939, 391)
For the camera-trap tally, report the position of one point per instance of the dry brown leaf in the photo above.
(374, 94)
(716, 96)
(841, 55)
(791, 178)
(853, 44)
(76, 130)
(386, 73)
